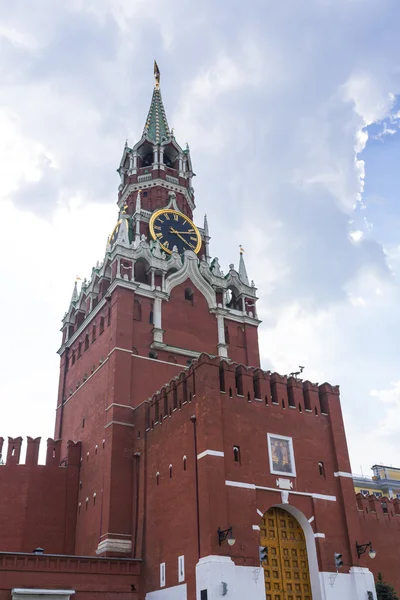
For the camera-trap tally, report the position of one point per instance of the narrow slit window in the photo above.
(321, 468)
(236, 454)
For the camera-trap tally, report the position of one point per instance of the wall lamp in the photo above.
(226, 534)
(361, 548)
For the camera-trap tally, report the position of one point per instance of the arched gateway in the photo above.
(286, 570)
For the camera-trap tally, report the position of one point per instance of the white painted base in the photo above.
(177, 592)
(212, 572)
(348, 586)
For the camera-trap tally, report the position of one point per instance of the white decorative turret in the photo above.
(122, 238)
(74, 297)
(138, 208)
(242, 269)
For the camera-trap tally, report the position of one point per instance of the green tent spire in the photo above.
(156, 126)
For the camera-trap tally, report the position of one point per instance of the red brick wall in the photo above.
(223, 421)
(90, 578)
(189, 325)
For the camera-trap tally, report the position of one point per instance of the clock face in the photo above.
(172, 228)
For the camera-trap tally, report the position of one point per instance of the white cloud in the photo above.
(274, 105)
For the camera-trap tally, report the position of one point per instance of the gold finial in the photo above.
(77, 278)
(241, 249)
(125, 208)
(156, 76)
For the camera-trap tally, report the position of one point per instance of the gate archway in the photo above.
(286, 568)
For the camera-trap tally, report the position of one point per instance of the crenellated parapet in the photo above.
(374, 508)
(235, 380)
(53, 453)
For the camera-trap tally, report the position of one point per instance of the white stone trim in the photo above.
(118, 423)
(175, 349)
(256, 528)
(243, 318)
(210, 453)
(164, 362)
(260, 513)
(252, 486)
(119, 405)
(319, 535)
(128, 535)
(240, 484)
(114, 545)
(343, 474)
(311, 519)
(40, 591)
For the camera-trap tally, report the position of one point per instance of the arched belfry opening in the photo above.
(286, 564)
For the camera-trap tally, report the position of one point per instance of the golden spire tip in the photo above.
(156, 75)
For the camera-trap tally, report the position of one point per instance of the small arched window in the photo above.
(189, 295)
(158, 478)
(93, 333)
(101, 329)
(79, 349)
(170, 471)
(137, 310)
(184, 463)
(153, 354)
(86, 342)
(73, 358)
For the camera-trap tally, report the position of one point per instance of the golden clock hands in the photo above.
(172, 230)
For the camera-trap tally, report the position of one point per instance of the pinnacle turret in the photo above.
(242, 269)
(74, 297)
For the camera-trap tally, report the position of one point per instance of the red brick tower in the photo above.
(155, 303)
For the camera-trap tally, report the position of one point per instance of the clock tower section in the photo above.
(145, 313)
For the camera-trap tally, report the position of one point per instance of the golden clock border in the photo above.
(174, 212)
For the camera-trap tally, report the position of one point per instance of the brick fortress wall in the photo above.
(38, 503)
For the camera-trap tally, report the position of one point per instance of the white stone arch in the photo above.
(190, 270)
(311, 547)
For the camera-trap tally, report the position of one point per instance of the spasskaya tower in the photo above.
(153, 305)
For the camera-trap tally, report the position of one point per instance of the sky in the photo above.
(292, 114)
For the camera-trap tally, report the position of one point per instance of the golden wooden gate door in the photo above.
(286, 572)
